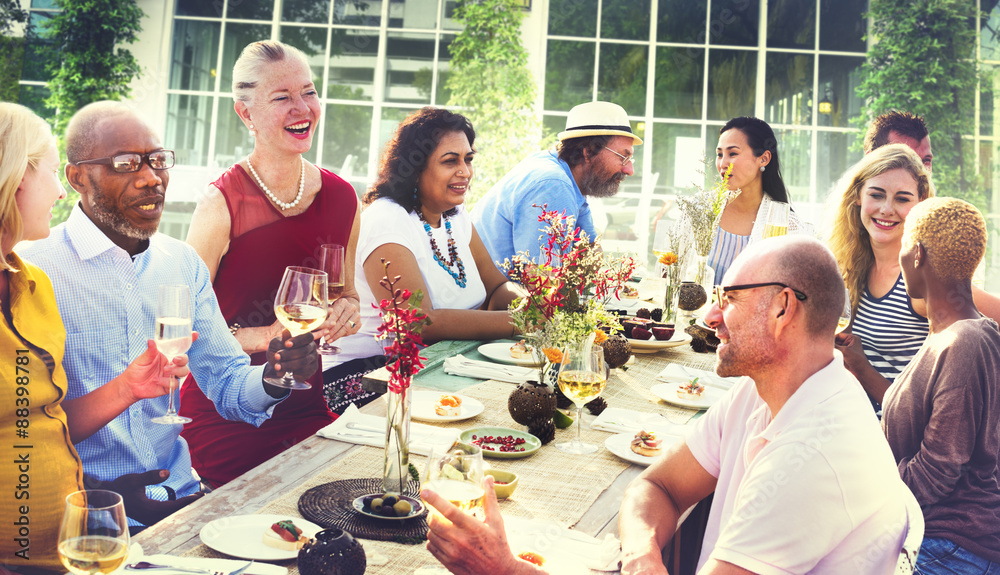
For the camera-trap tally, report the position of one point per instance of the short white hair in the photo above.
(254, 56)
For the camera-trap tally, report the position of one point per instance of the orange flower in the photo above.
(553, 354)
(601, 336)
(668, 259)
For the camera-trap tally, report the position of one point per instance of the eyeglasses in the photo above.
(722, 292)
(626, 160)
(125, 163)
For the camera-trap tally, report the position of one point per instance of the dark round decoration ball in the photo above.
(691, 296)
(332, 552)
(531, 400)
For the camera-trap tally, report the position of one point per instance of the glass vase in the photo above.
(396, 472)
(670, 302)
(702, 273)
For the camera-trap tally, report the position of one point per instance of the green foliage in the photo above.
(490, 81)
(11, 60)
(11, 14)
(923, 62)
(89, 63)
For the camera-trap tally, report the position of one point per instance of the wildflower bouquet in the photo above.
(703, 209)
(552, 314)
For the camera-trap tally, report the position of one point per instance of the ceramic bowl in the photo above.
(510, 482)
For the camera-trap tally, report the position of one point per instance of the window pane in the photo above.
(732, 75)
(345, 141)
(237, 37)
(441, 93)
(189, 122)
(794, 153)
(677, 156)
(353, 54)
(232, 139)
(250, 9)
(681, 21)
(987, 102)
(408, 72)
(44, 4)
(788, 92)
(314, 11)
(195, 53)
(447, 16)
(35, 54)
(357, 13)
(34, 97)
(679, 82)
(312, 41)
(622, 79)
(791, 24)
(391, 117)
(839, 77)
(569, 74)
(211, 9)
(835, 153)
(734, 22)
(573, 18)
(842, 25)
(413, 14)
(625, 20)
(551, 126)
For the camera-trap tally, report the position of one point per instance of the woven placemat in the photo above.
(330, 505)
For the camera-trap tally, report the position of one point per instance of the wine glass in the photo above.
(93, 537)
(173, 337)
(845, 316)
(456, 474)
(332, 262)
(300, 306)
(777, 220)
(582, 377)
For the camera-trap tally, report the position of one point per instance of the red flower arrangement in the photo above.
(402, 321)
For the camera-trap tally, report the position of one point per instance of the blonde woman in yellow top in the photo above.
(37, 428)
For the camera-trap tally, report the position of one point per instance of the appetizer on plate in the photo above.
(691, 390)
(448, 406)
(629, 292)
(646, 443)
(520, 350)
(284, 535)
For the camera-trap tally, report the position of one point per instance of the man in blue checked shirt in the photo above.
(106, 263)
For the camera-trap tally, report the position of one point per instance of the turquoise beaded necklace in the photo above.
(452, 251)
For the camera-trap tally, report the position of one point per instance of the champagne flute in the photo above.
(93, 536)
(300, 306)
(173, 337)
(582, 377)
(777, 220)
(456, 474)
(845, 316)
(332, 258)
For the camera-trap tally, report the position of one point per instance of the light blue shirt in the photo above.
(505, 217)
(107, 300)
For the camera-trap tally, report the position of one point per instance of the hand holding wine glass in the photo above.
(845, 315)
(456, 474)
(332, 262)
(93, 536)
(300, 306)
(173, 337)
(582, 377)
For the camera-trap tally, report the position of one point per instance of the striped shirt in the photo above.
(891, 331)
(725, 248)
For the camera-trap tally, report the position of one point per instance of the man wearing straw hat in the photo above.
(593, 156)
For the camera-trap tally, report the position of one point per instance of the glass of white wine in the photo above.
(173, 337)
(93, 537)
(300, 306)
(777, 220)
(332, 262)
(845, 316)
(457, 475)
(582, 377)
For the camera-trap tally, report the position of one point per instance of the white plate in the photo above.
(621, 445)
(668, 393)
(423, 407)
(653, 345)
(225, 565)
(500, 351)
(242, 536)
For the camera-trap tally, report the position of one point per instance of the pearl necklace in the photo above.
(279, 203)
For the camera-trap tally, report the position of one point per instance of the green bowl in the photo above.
(530, 445)
(510, 482)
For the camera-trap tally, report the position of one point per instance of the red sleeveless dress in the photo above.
(262, 242)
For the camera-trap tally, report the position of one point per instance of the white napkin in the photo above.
(225, 565)
(618, 420)
(676, 372)
(422, 437)
(461, 365)
(564, 550)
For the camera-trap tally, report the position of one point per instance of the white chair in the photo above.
(914, 534)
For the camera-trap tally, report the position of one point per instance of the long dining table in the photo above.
(579, 492)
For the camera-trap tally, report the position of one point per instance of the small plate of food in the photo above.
(516, 353)
(648, 336)
(259, 537)
(443, 407)
(689, 394)
(502, 442)
(389, 506)
(640, 448)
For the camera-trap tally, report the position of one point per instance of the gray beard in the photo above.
(104, 213)
(597, 188)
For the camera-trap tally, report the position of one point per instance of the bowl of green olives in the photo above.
(389, 506)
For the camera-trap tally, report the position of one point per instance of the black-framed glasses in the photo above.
(626, 160)
(722, 292)
(132, 162)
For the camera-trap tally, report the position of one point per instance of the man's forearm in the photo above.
(647, 521)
